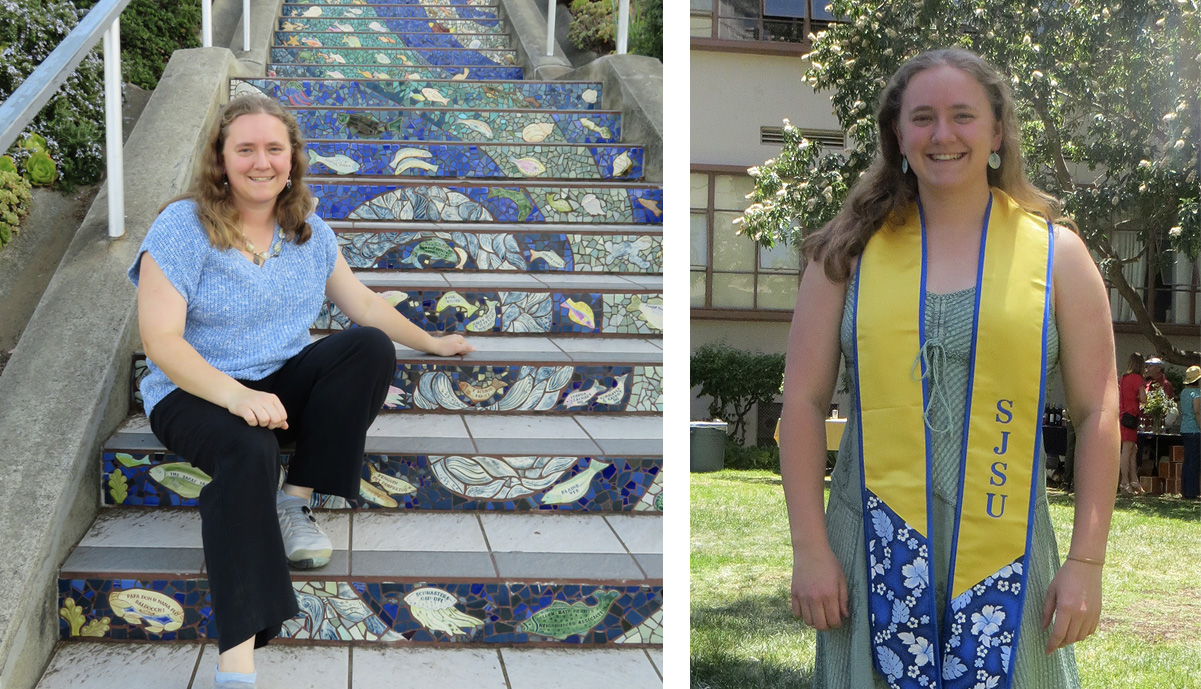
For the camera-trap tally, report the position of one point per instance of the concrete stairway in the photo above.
(508, 527)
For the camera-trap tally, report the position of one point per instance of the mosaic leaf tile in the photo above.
(380, 72)
(525, 251)
(609, 204)
(402, 21)
(391, 58)
(432, 612)
(427, 93)
(440, 11)
(476, 160)
(461, 41)
(424, 124)
(496, 311)
(426, 482)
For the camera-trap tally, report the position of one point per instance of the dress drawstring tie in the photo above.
(932, 359)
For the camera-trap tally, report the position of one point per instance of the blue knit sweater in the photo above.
(245, 320)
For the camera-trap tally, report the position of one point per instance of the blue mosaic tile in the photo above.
(397, 58)
(446, 41)
(418, 124)
(385, 73)
(568, 95)
(441, 11)
(476, 160)
(402, 21)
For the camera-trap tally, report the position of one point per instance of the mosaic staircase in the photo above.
(509, 518)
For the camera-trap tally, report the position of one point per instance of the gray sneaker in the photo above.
(305, 544)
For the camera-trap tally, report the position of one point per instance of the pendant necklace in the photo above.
(260, 257)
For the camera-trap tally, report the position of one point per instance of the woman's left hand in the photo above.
(450, 345)
(1074, 597)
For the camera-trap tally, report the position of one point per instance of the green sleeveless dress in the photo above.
(844, 655)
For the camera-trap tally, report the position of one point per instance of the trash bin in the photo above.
(707, 445)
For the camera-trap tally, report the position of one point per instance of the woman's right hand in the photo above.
(819, 589)
(258, 408)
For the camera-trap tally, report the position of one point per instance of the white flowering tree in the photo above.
(1108, 98)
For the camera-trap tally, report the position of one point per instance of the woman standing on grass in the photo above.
(230, 277)
(951, 297)
(1132, 395)
(1190, 413)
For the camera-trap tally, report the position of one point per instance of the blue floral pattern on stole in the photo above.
(984, 623)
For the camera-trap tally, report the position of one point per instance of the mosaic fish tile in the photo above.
(421, 482)
(403, 21)
(383, 73)
(383, 13)
(495, 311)
(610, 204)
(525, 251)
(446, 41)
(635, 313)
(432, 612)
(646, 389)
(566, 95)
(393, 58)
(476, 160)
(425, 124)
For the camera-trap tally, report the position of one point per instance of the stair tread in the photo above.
(512, 280)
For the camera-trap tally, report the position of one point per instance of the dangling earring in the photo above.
(225, 181)
(288, 184)
(904, 165)
(994, 160)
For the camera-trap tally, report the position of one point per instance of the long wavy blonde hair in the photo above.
(884, 193)
(214, 201)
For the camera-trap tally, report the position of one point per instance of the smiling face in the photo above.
(947, 130)
(257, 158)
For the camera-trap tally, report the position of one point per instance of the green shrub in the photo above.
(150, 31)
(736, 380)
(593, 25)
(646, 28)
(14, 204)
(751, 457)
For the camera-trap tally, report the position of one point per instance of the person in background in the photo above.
(1154, 375)
(1190, 413)
(1132, 394)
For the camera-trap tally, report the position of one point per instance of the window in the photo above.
(789, 21)
(730, 272)
(1168, 285)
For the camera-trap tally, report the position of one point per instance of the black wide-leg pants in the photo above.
(332, 391)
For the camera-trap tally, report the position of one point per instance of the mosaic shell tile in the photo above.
(384, 73)
(432, 612)
(403, 21)
(526, 251)
(462, 41)
(476, 160)
(421, 482)
(440, 11)
(494, 311)
(395, 58)
(427, 93)
(610, 204)
(425, 124)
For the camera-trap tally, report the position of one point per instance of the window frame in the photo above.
(716, 43)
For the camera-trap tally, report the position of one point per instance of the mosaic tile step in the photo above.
(395, 58)
(384, 73)
(478, 160)
(438, 578)
(442, 10)
(423, 482)
(403, 20)
(426, 124)
(369, 4)
(517, 303)
(524, 248)
(433, 93)
(347, 198)
(98, 665)
(526, 435)
(461, 41)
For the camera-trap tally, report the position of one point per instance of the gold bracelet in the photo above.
(1086, 560)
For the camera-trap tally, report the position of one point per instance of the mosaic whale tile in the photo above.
(567, 204)
(526, 251)
(440, 11)
(394, 58)
(494, 311)
(180, 609)
(446, 41)
(404, 21)
(423, 482)
(476, 160)
(385, 73)
(567, 95)
(417, 124)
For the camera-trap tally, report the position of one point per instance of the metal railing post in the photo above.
(246, 25)
(112, 130)
(551, 7)
(206, 23)
(623, 26)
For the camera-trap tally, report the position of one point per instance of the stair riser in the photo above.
(385, 73)
(525, 251)
(444, 41)
(525, 204)
(476, 161)
(491, 126)
(503, 610)
(402, 21)
(435, 482)
(397, 58)
(346, 15)
(371, 4)
(507, 311)
(428, 94)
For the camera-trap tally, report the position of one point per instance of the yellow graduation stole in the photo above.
(1002, 431)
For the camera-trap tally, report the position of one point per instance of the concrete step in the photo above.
(530, 201)
(138, 575)
(388, 72)
(427, 93)
(479, 125)
(475, 160)
(190, 666)
(373, 59)
(399, 20)
(589, 305)
(533, 247)
(425, 39)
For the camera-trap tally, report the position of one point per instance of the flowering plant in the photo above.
(1158, 404)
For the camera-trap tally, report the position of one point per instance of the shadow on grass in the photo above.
(728, 672)
(1146, 505)
(750, 641)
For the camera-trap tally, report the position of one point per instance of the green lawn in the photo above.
(744, 634)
